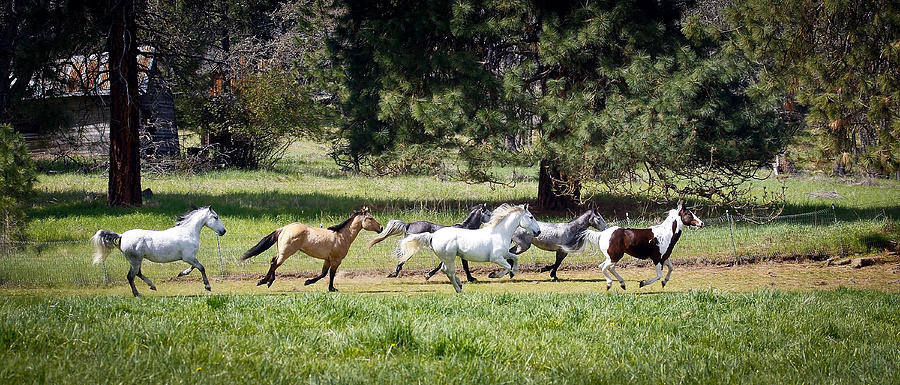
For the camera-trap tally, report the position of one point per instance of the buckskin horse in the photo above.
(655, 243)
(330, 245)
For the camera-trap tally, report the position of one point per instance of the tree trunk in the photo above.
(124, 122)
(552, 192)
(8, 33)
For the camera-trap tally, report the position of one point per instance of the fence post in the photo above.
(731, 232)
(219, 252)
(105, 274)
(840, 233)
(627, 220)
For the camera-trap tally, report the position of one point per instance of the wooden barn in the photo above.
(76, 108)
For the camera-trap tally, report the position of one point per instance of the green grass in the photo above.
(840, 336)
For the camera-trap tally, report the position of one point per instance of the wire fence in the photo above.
(814, 235)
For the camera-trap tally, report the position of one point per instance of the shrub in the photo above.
(17, 177)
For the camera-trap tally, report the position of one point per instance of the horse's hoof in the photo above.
(427, 277)
(623, 286)
(664, 284)
(642, 284)
(472, 279)
(392, 275)
(208, 288)
(493, 274)
(511, 274)
(138, 295)
(333, 290)
(308, 282)
(270, 283)
(546, 268)
(554, 278)
(260, 283)
(608, 285)
(153, 288)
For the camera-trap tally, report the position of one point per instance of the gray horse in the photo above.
(478, 215)
(563, 238)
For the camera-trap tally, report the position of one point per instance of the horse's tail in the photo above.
(104, 241)
(590, 238)
(411, 244)
(263, 245)
(393, 227)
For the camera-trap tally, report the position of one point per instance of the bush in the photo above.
(17, 177)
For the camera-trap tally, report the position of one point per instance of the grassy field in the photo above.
(839, 336)
(309, 188)
(769, 322)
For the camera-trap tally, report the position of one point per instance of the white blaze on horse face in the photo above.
(696, 220)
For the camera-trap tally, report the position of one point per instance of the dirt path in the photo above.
(884, 276)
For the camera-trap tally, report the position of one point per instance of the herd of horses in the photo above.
(496, 236)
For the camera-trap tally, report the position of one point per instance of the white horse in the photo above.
(180, 242)
(487, 244)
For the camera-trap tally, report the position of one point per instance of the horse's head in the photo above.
(368, 221)
(596, 220)
(687, 217)
(485, 213)
(528, 222)
(213, 222)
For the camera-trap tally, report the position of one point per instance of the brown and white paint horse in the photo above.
(655, 243)
(329, 244)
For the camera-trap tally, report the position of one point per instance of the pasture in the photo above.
(763, 322)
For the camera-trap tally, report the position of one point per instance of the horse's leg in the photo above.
(612, 269)
(192, 260)
(465, 265)
(433, 272)
(313, 280)
(331, 272)
(186, 271)
(450, 270)
(658, 276)
(146, 280)
(603, 267)
(505, 265)
(132, 272)
(560, 255)
(668, 265)
(396, 272)
(277, 260)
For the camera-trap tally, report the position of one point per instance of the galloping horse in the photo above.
(330, 245)
(488, 243)
(180, 242)
(563, 238)
(655, 243)
(478, 215)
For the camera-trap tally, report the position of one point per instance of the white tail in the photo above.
(104, 241)
(411, 244)
(596, 239)
(393, 227)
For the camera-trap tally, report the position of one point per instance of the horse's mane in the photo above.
(179, 220)
(502, 212)
(340, 226)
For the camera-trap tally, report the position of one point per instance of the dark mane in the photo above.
(340, 226)
(181, 218)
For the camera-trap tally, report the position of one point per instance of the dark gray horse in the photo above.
(563, 238)
(478, 215)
